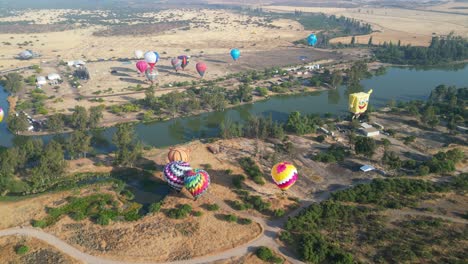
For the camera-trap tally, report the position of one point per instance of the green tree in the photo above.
(52, 166)
(336, 78)
(298, 124)
(244, 93)
(385, 143)
(392, 160)
(369, 43)
(429, 117)
(13, 82)
(127, 151)
(55, 123)
(353, 41)
(79, 143)
(95, 116)
(18, 123)
(365, 146)
(79, 118)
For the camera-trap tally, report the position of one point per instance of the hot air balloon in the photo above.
(358, 103)
(157, 56)
(138, 54)
(312, 39)
(235, 54)
(178, 154)
(174, 174)
(201, 68)
(151, 75)
(184, 61)
(151, 59)
(1, 114)
(176, 64)
(142, 66)
(284, 175)
(197, 182)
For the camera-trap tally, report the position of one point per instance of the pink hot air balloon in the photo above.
(142, 66)
(201, 68)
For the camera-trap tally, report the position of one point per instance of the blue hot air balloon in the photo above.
(312, 39)
(235, 54)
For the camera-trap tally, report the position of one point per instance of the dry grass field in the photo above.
(39, 252)
(413, 27)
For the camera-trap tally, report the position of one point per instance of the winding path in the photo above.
(267, 238)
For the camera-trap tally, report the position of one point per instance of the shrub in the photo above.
(237, 181)
(39, 223)
(155, 207)
(212, 207)
(21, 250)
(279, 212)
(181, 212)
(423, 170)
(252, 170)
(197, 213)
(320, 138)
(103, 220)
(231, 218)
(264, 253)
(244, 221)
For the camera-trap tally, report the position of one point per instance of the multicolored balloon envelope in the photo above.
(284, 175)
(201, 68)
(235, 54)
(174, 174)
(176, 64)
(184, 61)
(197, 182)
(151, 75)
(1, 114)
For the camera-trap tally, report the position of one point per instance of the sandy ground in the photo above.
(207, 35)
(39, 252)
(413, 27)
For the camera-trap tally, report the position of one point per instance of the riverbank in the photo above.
(111, 120)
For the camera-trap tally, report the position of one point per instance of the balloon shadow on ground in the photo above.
(131, 80)
(122, 69)
(218, 61)
(121, 74)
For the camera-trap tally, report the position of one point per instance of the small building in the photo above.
(25, 55)
(367, 168)
(53, 77)
(370, 132)
(76, 63)
(366, 126)
(41, 80)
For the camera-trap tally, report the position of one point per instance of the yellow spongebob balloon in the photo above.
(358, 102)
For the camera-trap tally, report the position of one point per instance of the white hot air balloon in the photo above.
(150, 58)
(138, 54)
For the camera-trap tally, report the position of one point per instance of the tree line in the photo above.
(30, 166)
(441, 50)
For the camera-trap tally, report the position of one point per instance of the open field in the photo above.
(39, 251)
(413, 27)
(205, 35)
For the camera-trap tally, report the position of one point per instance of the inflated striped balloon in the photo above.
(197, 182)
(174, 174)
(284, 175)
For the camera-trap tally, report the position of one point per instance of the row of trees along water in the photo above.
(200, 96)
(29, 166)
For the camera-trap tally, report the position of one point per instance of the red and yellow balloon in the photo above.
(284, 175)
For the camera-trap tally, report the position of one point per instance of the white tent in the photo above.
(53, 77)
(41, 80)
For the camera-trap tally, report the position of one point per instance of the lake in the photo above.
(401, 84)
